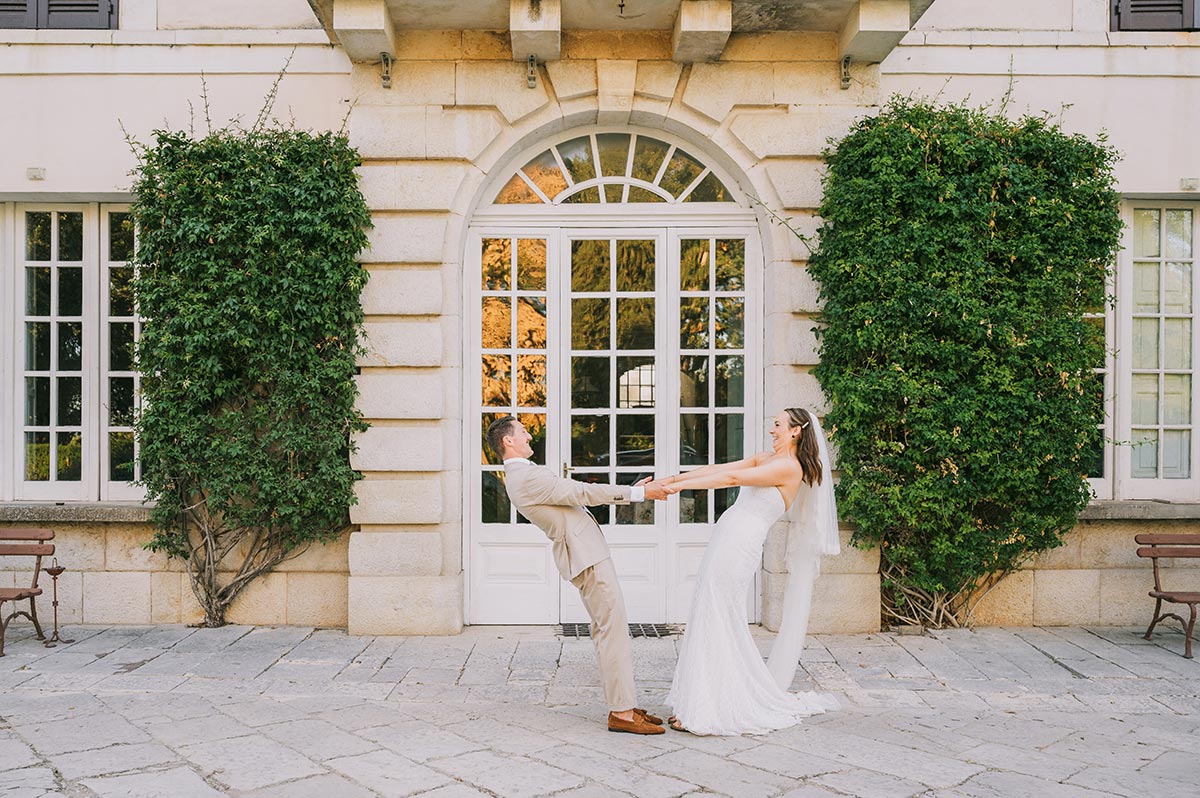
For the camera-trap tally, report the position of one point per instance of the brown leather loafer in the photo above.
(657, 721)
(639, 725)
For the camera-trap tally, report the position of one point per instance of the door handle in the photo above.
(566, 470)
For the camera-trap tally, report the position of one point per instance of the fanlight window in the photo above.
(609, 168)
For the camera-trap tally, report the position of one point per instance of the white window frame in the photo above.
(1126, 486)
(93, 485)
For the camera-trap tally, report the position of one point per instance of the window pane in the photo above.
(1145, 233)
(497, 380)
(639, 194)
(1177, 454)
(494, 508)
(535, 425)
(120, 456)
(69, 453)
(635, 440)
(70, 345)
(37, 236)
(70, 236)
(1145, 343)
(1092, 460)
(545, 174)
(613, 193)
(37, 345)
(37, 456)
(531, 264)
(635, 323)
(730, 381)
(1144, 461)
(1177, 399)
(70, 291)
(37, 291)
(723, 499)
(517, 192)
(120, 291)
(120, 346)
(589, 196)
(37, 402)
(693, 381)
(693, 323)
(1145, 288)
(496, 323)
(648, 156)
(635, 265)
(693, 264)
(1177, 343)
(120, 236)
(681, 172)
(1177, 288)
(1179, 233)
(589, 266)
(577, 155)
(614, 153)
(531, 323)
(729, 437)
(634, 512)
(635, 382)
(1145, 398)
(497, 264)
(120, 401)
(70, 401)
(693, 507)
(589, 323)
(730, 323)
(531, 381)
(599, 512)
(693, 439)
(711, 189)
(589, 440)
(731, 265)
(590, 382)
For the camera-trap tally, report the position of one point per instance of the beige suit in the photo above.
(556, 505)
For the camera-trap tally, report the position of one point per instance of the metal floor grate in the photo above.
(578, 630)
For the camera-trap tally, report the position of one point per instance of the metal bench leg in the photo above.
(33, 617)
(3, 627)
(1154, 621)
(1187, 646)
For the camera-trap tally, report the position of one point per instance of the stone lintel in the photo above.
(873, 30)
(616, 81)
(535, 27)
(364, 28)
(701, 30)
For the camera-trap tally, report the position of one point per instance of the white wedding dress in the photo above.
(722, 685)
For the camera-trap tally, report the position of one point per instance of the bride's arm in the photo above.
(716, 468)
(770, 473)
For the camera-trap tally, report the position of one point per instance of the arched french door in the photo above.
(613, 305)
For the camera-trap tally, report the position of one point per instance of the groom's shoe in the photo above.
(639, 725)
(652, 718)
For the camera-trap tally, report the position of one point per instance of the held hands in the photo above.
(657, 490)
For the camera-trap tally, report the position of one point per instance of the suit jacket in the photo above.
(556, 505)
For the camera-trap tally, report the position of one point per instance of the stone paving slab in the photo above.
(517, 712)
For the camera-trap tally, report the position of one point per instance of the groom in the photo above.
(557, 506)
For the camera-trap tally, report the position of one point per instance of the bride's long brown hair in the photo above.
(807, 452)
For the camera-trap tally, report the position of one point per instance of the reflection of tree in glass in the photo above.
(729, 323)
(497, 263)
(531, 264)
(614, 153)
(531, 381)
(731, 265)
(517, 192)
(70, 455)
(496, 380)
(120, 236)
(531, 323)
(589, 265)
(635, 265)
(37, 235)
(635, 323)
(729, 387)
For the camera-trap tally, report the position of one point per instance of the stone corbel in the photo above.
(701, 30)
(873, 30)
(536, 29)
(365, 29)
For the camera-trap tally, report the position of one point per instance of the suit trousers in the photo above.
(602, 597)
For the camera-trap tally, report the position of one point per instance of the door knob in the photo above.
(567, 470)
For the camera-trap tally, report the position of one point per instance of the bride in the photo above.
(721, 684)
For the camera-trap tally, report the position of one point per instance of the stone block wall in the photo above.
(112, 579)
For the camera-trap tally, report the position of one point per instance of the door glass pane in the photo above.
(70, 291)
(37, 291)
(589, 441)
(635, 265)
(634, 512)
(1144, 460)
(693, 381)
(531, 264)
(120, 236)
(489, 455)
(531, 323)
(497, 380)
(37, 402)
(590, 382)
(70, 345)
(497, 264)
(635, 323)
(495, 504)
(543, 172)
(693, 264)
(120, 346)
(535, 425)
(1145, 233)
(731, 265)
(693, 506)
(635, 382)
(70, 456)
(589, 323)
(589, 266)
(1177, 343)
(723, 499)
(1177, 399)
(37, 345)
(729, 437)
(37, 456)
(37, 235)
(1177, 454)
(70, 236)
(120, 401)
(1145, 343)
(635, 440)
(730, 383)
(531, 380)
(1177, 288)
(120, 456)
(120, 291)
(693, 439)
(601, 512)
(1145, 398)
(497, 322)
(693, 323)
(1145, 287)
(1179, 233)
(729, 327)
(70, 401)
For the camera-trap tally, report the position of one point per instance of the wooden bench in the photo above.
(24, 543)
(1156, 546)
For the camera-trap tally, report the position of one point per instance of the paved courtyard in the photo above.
(515, 711)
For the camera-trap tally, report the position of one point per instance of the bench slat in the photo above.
(26, 534)
(1176, 596)
(1169, 551)
(26, 549)
(1168, 538)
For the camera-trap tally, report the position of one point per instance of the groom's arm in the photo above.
(543, 487)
